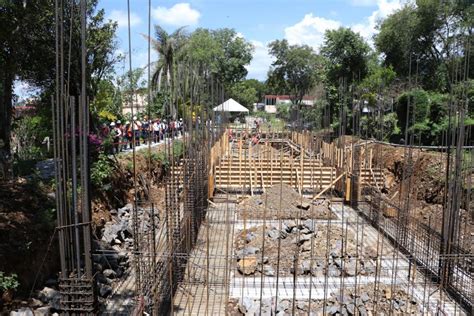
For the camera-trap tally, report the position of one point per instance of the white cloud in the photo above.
(122, 18)
(384, 9)
(310, 30)
(260, 63)
(181, 14)
(364, 3)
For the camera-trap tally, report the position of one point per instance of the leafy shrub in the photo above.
(101, 172)
(8, 282)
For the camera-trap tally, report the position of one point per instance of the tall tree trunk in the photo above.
(6, 109)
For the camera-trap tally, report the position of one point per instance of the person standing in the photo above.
(137, 126)
(117, 135)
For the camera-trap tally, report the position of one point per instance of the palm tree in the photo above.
(168, 47)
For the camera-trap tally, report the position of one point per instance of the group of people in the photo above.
(122, 135)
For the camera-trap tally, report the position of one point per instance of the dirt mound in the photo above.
(27, 221)
(283, 202)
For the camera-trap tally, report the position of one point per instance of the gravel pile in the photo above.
(384, 301)
(302, 241)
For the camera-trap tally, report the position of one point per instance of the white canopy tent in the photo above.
(231, 106)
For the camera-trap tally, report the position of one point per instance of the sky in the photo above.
(259, 21)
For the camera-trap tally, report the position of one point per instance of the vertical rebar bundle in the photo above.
(71, 156)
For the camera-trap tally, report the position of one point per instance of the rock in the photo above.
(250, 236)
(283, 305)
(126, 209)
(35, 303)
(333, 271)
(268, 270)
(50, 296)
(246, 306)
(111, 232)
(334, 309)
(24, 311)
(43, 311)
(344, 311)
(104, 290)
(362, 311)
(395, 305)
(102, 279)
(273, 234)
(289, 224)
(364, 297)
(305, 266)
(247, 265)
(109, 273)
(263, 260)
(350, 267)
(306, 246)
(247, 251)
(350, 308)
(301, 305)
(304, 238)
(303, 206)
(309, 224)
(305, 231)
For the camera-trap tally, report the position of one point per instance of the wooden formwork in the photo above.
(236, 164)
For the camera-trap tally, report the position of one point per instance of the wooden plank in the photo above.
(329, 186)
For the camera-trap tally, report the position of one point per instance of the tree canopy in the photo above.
(295, 71)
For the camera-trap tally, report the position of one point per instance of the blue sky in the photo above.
(259, 21)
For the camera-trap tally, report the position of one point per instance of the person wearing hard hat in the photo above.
(137, 126)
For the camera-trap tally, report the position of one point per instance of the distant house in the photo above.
(139, 102)
(25, 107)
(264, 107)
(271, 99)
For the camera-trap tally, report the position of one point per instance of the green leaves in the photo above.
(295, 70)
(346, 53)
(8, 282)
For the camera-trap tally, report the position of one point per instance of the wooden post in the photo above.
(250, 168)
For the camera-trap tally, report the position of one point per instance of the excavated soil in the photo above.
(27, 221)
(426, 179)
(283, 202)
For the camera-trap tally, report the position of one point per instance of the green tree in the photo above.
(168, 47)
(236, 54)
(244, 93)
(432, 36)
(27, 51)
(295, 70)
(347, 55)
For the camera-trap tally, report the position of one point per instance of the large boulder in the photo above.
(247, 265)
(51, 297)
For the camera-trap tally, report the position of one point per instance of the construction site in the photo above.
(229, 216)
